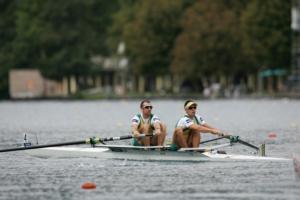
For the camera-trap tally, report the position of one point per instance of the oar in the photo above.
(214, 139)
(206, 149)
(235, 139)
(91, 141)
(248, 144)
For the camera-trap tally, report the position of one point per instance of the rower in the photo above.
(149, 124)
(188, 128)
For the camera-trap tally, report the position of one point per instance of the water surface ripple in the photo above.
(26, 177)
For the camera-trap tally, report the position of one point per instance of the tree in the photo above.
(59, 38)
(150, 33)
(120, 20)
(267, 33)
(209, 44)
(7, 35)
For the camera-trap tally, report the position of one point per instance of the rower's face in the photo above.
(191, 111)
(147, 108)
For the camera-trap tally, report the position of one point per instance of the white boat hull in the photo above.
(144, 155)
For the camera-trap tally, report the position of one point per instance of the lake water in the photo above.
(26, 177)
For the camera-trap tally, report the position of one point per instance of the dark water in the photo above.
(26, 177)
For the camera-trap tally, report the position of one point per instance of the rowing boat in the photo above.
(152, 153)
(124, 152)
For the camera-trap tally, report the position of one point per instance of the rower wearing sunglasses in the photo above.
(188, 128)
(149, 124)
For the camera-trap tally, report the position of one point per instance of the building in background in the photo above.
(29, 83)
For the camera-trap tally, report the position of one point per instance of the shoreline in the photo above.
(295, 96)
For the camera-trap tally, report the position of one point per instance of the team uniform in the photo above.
(139, 120)
(185, 122)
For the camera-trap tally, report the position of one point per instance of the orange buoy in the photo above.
(272, 135)
(88, 185)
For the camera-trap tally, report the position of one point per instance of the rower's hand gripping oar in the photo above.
(91, 141)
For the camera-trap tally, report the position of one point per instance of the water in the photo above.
(26, 177)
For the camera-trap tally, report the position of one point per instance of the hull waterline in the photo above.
(143, 155)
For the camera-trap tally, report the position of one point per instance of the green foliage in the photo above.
(59, 38)
(121, 20)
(192, 39)
(150, 33)
(209, 42)
(267, 33)
(7, 35)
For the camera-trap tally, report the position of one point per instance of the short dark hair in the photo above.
(142, 102)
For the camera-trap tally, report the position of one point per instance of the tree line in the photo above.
(196, 40)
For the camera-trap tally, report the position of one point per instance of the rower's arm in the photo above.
(134, 130)
(207, 126)
(157, 128)
(206, 129)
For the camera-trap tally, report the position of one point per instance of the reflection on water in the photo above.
(25, 177)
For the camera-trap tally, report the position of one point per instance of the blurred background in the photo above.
(95, 49)
(136, 49)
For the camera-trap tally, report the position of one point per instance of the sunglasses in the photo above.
(192, 107)
(148, 107)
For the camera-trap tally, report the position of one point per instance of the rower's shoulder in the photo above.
(138, 115)
(184, 119)
(135, 118)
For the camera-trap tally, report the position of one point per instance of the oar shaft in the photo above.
(125, 137)
(235, 139)
(206, 141)
(87, 141)
(248, 144)
(207, 149)
(43, 146)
